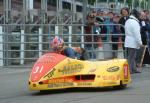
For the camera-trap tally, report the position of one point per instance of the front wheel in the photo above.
(43, 91)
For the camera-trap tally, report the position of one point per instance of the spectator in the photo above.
(109, 25)
(106, 28)
(133, 39)
(115, 32)
(125, 15)
(143, 36)
(144, 32)
(90, 29)
(143, 27)
(147, 16)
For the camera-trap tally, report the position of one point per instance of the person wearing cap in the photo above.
(133, 39)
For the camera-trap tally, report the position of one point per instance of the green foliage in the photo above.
(142, 4)
(129, 2)
(91, 2)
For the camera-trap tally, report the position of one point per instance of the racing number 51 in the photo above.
(38, 69)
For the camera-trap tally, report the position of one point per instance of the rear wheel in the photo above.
(121, 86)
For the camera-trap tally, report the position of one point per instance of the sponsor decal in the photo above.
(125, 67)
(37, 69)
(84, 84)
(47, 59)
(44, 65)
(126, 80)
(113, 69)
(111, 83)
(59, 85)
(61, 80)
(108, 83)
(69, 61)
(69, 69)
(98, 76)
(49, 56)
(111, 77)
(50, 74)
(92, 70)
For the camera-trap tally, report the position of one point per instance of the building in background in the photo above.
(22, 22)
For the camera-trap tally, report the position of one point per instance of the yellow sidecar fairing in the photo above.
(55, 71)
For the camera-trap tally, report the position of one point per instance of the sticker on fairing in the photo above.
(125, 67)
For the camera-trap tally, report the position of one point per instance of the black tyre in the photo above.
(121, 86)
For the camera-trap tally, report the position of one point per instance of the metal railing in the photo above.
(26, 46)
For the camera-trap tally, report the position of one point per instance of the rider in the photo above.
(58, 46)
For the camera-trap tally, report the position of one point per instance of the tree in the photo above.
(91, 2)
(129, 2)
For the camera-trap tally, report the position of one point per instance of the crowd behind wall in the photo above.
(97, 23)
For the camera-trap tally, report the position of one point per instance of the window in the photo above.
(79, 8)
(66, 5)
(52, 2)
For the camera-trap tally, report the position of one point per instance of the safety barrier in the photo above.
(26, 45)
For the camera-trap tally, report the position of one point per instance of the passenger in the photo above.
(133, 39)
(58, 46)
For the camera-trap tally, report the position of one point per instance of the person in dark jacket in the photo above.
(115, 37)
(147, 13)
(125, 15)
(148, 35)
(145, 35)
(143, 28)
(91, 29)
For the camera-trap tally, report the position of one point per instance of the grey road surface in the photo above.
(13, 89)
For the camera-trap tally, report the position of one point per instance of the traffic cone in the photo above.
(120, 49)
(100, 53)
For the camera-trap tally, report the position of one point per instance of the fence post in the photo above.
(22, 48)
(56, 30)
(1, 47)
(40, 42)
(70, 36)
(82, 37)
